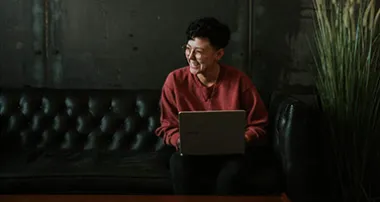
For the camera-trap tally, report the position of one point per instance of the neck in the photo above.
(209, 77)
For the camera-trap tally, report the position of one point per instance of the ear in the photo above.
(219, 54)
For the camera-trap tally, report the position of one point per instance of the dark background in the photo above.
(134, 44)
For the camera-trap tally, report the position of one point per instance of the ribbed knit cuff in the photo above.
(174, 139)
(249, 135)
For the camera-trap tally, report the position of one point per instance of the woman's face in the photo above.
(201, 55)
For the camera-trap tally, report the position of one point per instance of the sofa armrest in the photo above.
(288, 125)
(295, 145)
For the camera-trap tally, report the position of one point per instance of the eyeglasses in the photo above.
(198, 53)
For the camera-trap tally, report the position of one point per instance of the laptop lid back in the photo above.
(212, 132)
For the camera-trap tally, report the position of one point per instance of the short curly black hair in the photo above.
(209, 27)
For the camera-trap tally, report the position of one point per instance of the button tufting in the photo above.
(74, 119)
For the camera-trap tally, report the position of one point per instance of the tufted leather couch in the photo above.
(103, 141)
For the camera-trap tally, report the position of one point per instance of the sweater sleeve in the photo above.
(257, 115)
(168, 129)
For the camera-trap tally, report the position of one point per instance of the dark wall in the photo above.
(123, 44)
(282, 50)
(135, 43)
(21, 43)
(107, 44)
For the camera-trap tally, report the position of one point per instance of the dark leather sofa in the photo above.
(103, 142)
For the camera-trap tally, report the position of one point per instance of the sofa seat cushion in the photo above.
(85, 185)
(118, 172)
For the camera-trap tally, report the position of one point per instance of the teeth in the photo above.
(194, 64)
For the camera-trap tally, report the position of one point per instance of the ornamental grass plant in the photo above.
(346, 56)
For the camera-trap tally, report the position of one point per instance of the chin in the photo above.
(194, 70)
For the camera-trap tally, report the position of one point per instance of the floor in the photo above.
(130, 198)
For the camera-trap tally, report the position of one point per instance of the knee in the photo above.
(231, 172)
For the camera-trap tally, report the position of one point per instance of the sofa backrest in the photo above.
(63, 119)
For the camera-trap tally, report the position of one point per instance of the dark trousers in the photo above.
(216, 175)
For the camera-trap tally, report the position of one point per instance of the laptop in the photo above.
(217, 132)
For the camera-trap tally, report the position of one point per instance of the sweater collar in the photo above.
(199, 83)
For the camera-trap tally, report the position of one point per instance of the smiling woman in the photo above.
(207, 38)
(206, 84)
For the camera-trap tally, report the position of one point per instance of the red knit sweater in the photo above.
(182, 91)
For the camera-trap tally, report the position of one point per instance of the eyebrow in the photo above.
(195, 47)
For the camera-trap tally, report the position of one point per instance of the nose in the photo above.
(191, 54)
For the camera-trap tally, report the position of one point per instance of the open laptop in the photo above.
(212, 132)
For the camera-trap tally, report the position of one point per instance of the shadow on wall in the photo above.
(276, 23)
